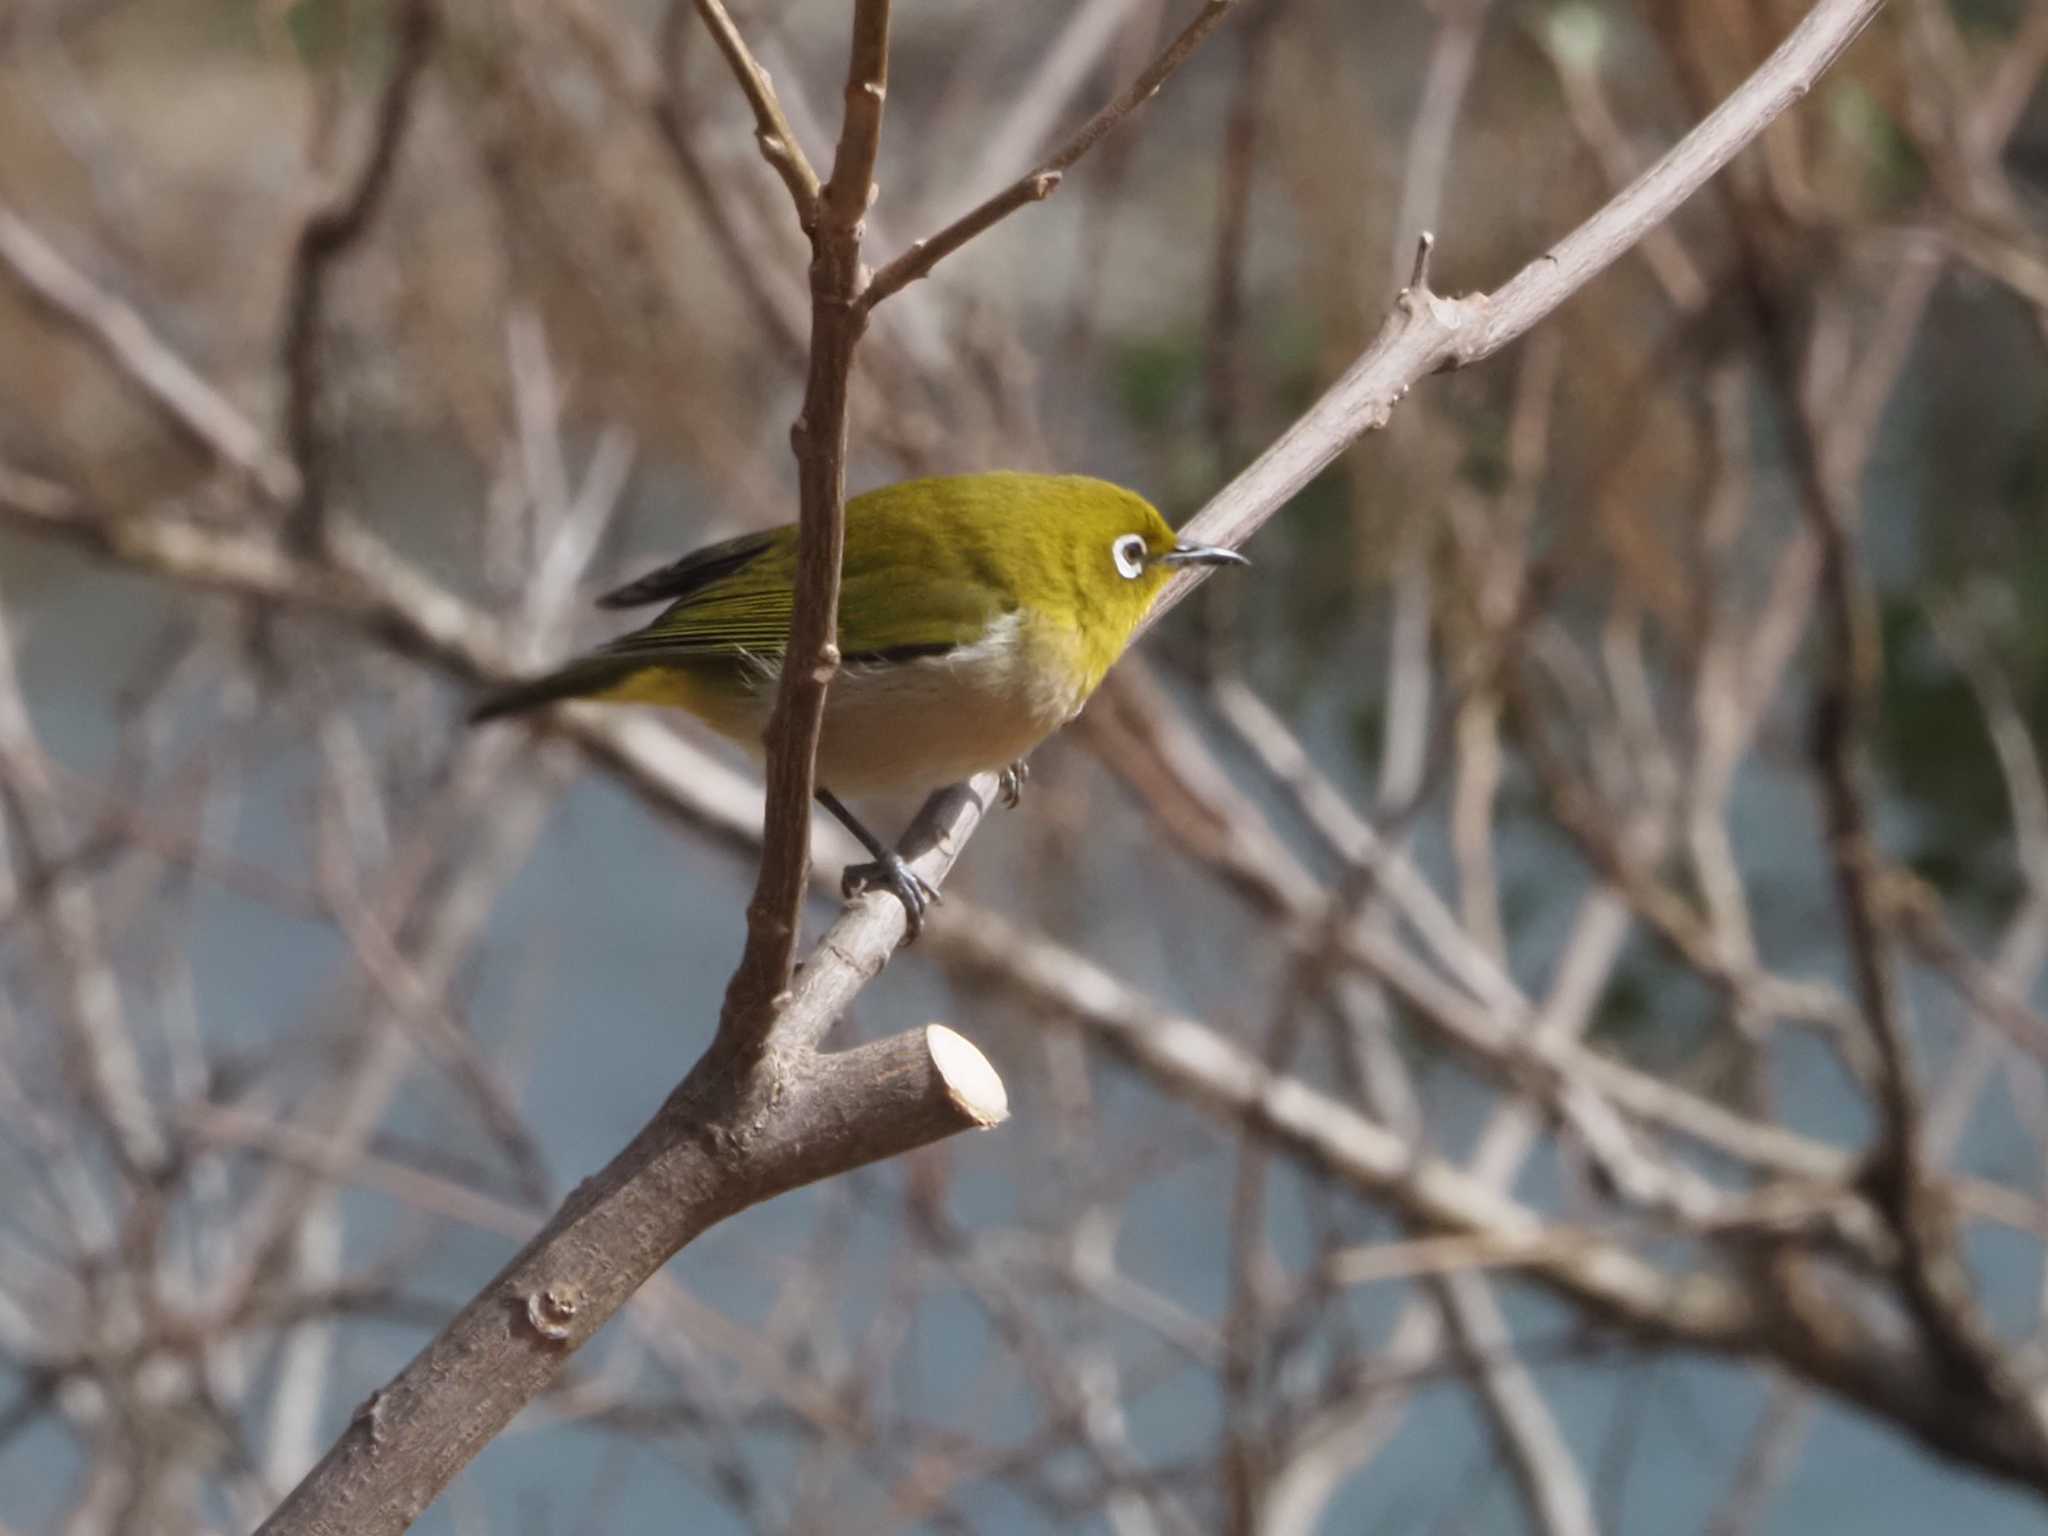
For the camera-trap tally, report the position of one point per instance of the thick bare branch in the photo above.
(716, 1147)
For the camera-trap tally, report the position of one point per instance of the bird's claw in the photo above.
(1010, 783)
(894, 875)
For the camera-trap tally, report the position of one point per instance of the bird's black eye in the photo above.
(1129, 554)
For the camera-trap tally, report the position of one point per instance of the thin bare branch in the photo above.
(1428, 332)
(819, 438)
(1040, 183)
(170, 383)
(323, 241)
(778, 141)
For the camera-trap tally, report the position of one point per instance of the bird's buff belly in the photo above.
(906, 726)
(927, 723)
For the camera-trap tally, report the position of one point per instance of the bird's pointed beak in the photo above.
(1201, 554)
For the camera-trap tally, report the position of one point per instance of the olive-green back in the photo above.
(929, 565)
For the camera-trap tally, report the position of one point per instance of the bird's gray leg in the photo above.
(888, 869)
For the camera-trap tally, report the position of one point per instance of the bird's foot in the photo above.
(1010, 783)
(893, 874)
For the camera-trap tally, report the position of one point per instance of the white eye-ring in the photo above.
(1129, 554)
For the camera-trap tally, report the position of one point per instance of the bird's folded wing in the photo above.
(883, 616)
(700, 569)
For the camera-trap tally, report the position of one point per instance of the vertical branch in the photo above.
(819, 440)
(1931, 1278)
(1223, 363)
(1431, 138)
(1223, 381)
(324, 239)
(85, 988)
(1933, 1281)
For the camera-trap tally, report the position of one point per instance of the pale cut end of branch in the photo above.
(970, 1080)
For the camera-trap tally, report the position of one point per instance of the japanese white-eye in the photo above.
(977, 613)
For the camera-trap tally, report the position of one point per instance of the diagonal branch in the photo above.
(1037, 185)
(187, 401)
(677, 1177)
(1428, 333)
(778, 141)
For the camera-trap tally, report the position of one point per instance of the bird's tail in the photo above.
(592, 677)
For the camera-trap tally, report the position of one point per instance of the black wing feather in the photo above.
(691, 573)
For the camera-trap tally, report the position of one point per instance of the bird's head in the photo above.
(1104, 557)
(1119, 552)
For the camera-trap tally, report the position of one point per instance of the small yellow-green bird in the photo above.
(977, 613)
